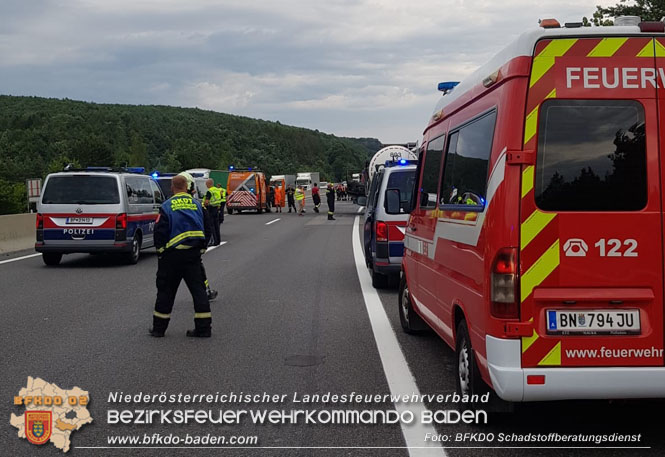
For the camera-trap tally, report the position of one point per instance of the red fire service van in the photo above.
(534, 245)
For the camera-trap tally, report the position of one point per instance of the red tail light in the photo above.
(381, 231)
(39, 222)
(121, 221)
(504, 281)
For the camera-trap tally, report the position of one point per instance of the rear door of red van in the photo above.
(591, 249)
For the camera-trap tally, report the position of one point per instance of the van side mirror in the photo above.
(391, 202)
(362, 201)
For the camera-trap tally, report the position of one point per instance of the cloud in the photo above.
(348, 67)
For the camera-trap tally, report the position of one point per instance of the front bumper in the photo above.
(509, 379)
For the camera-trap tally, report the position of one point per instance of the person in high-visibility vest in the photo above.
(300, 200)
(212, 202)
(223, 205)
(180, 239)
(279, 198)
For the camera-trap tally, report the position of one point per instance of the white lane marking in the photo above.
(360, 210)
(399, 376)
(212, 248)
(273, 221)
(20, 258)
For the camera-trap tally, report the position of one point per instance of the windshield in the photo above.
(201, 188)
(81, 190)
(165, 185)
(404, 181)
(238, 179)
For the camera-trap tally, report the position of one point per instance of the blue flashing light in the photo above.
(251, 190)
(136, 169)
(249, 168)
(447, 86)
(155, 175)
(402, 161)
(231, 167)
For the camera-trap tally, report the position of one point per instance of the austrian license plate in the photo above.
(79, 220)
(593, 322)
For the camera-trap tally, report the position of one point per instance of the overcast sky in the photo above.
(361, 68)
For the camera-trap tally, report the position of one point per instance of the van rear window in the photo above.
(81, 190)
(591, 156)
(405, 181)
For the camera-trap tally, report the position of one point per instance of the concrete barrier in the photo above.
(17, 232)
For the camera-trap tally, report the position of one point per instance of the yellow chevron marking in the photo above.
(527, 180)
(660, 49)
(527, 341)
(647, 51)
(553, 357)
(653, 48)
(531, 124)
(607, 47)
(540, 270)
(533, 226)
(545, 60)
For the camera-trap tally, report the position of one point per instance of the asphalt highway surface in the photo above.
(292, 319)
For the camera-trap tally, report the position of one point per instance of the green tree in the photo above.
(138, 152)
(39, 135)
(648, 10)
(13, 197)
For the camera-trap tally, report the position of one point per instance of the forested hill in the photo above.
(39, 135)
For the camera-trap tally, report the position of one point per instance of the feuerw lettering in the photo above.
(615, 77)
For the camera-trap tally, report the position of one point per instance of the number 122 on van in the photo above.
(577, 247)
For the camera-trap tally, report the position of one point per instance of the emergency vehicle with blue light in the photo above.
(534, 245)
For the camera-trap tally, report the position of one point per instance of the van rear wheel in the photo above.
(379, 281)
(411, 322)
(51, 258)
(467, 375)
(132, 257)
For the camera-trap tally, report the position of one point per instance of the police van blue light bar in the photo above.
(231, 167)
(136, 169)
(155, 174)
(447, 86)
(400, 162)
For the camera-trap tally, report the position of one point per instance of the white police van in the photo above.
(97, 210)
(386, 215)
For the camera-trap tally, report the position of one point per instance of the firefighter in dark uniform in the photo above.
(290, 196)
(191, 190)
(180, 240)
(213, 202)
(330, 196)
